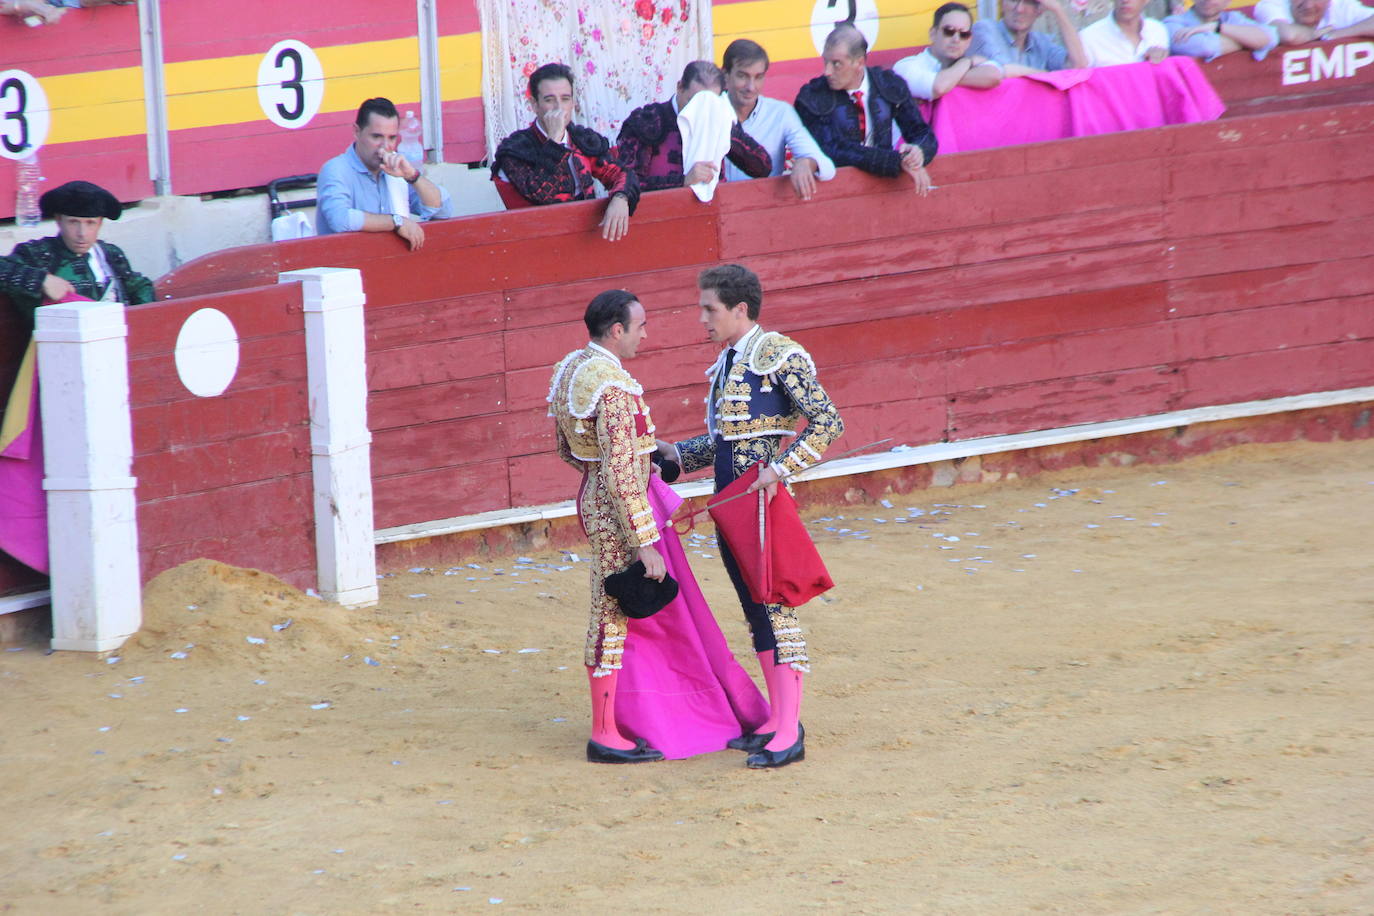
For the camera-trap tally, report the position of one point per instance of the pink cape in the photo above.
(1074, 103)
(680, 688)
(23, 504)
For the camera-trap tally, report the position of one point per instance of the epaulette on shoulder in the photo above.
(589, 141)
(774, 349)
(890, 86)
(590, 381)
(817, 96)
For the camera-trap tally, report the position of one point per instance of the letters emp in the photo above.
(1308, 65)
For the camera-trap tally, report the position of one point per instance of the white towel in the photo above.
(399, 192)
(705, 125)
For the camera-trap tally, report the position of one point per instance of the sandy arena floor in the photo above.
(1138, 691)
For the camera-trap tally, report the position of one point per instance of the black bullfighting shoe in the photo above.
(640, 753)
(750, 743)
(765, 759)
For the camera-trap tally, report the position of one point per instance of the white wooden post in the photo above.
(340, 443)
(83, 380)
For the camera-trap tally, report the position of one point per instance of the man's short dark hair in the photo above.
(549, 72)
(703, 72)
(847, 36)
(733, 284)
(378, 106)
(948, 8)
(741, 53)
(607, 310)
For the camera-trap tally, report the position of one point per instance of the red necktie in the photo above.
(863, 116)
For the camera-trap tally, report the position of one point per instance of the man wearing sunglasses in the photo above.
(947, 63)
(1013, 42)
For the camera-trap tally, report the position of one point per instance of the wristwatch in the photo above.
(397, 221)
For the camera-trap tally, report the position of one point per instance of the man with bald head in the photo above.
(1301, 21)
(850, 110)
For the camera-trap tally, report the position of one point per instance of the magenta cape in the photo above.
(680, 688)
(23, 504)
(1074, 103)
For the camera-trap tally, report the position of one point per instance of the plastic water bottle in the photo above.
(411, 146)
(26, 180)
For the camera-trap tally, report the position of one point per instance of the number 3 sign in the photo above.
(290, 84)
(23, 114)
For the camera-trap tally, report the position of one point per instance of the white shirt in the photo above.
(777, 128)
(919, 71)
(1107, 46)
(1339, 15)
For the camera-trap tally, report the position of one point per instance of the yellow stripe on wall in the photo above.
(223, 90)
(460, 66)
(95, 105)
(783, 27)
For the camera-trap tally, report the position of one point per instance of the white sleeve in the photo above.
(1156, 35)
(920, 80)
(1267, 11)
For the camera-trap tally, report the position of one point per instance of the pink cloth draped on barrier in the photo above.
(23, 505)
(680, 688)
(1075, 103)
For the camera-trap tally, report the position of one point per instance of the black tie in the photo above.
(729, 361)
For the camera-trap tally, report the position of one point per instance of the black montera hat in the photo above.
(639, 596)
(79, 198)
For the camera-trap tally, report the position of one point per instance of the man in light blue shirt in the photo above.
(359, 190)
(1013, 43)
(1207, 30)
(774, 124)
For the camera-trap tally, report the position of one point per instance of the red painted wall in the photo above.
(226, 477)
(1038, 287)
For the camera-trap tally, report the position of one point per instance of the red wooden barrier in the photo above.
(225, 477)
(1038, 287)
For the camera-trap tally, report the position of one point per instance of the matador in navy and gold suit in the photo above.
(604, 431)
(761, 389)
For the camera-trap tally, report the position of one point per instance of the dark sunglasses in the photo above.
(950, 31)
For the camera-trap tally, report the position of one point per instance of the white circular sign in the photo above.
(290, 84)
(207, 353)
(24, 114)
(827, 14)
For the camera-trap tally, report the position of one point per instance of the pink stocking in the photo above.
(786, 701)
(604, 728)
(770, 669)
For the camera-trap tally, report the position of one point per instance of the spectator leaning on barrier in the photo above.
(74, 261)
(555, 161)
(1013, 42)
(354, 194)
(773, 123)
(851, 109)
(1208, 30)
(651, 145)
(1125, 37)
(1301, 21)
(947, 62)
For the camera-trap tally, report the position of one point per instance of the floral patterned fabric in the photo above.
(624, 53)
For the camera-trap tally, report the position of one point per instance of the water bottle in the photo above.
(27, 177)
(411, 146)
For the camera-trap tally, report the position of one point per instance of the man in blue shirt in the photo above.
(773, 123)
(360, 190)
(1013, 43)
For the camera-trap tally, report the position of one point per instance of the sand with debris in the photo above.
(1106, 691)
